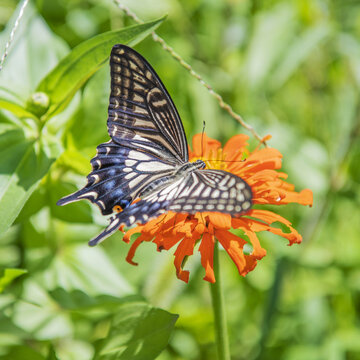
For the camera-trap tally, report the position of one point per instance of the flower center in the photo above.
(215, 160)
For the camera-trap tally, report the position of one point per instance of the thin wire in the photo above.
(12, 34)
(188, 67)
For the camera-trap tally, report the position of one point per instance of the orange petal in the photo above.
(263, 155)
(219, 220)
(234, 247)
(202, 145)
(133, 248)
(258, 251)
(167, 242)
(131, 232)
(185, 248)
(304, 197)
(206, 249)
(153, 226)
(269, 218)
(235, 147)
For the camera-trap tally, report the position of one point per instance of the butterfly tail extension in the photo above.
(140, 213)
(68, 199)
(114, 225)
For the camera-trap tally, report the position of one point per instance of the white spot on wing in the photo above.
(247, 193)
(224, 180)
(113, 224)
(175, 207)
(114, 130)
(206, 192)
(130, 175)
(96, 178)
(246, 205)
(171, 194)
(232, 193)
(152, 166)
(101, 203)
(240, 185)
(137, 155)
(93, 194)
(136, 181)
(138, 98)
(130, 162)
(231, 182)
(198, 190)
(240, 197)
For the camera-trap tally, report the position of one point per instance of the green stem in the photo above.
(217, 297)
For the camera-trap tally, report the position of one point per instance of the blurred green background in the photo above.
(292, 70)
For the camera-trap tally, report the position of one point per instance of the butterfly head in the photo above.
(199, 164)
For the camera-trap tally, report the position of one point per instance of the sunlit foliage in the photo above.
(291, 69)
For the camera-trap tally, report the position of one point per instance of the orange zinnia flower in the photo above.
(258, 169)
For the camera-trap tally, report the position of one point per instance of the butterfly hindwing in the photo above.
(198, 191)
(141, 112)
(213, 190)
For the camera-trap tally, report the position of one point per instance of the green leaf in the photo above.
(84, 60)
(74, 160)
(79, 212)
(47, 194)
(16, 109)
(92, 113)
(271, 35)
(87, 269)
(79, 300)
(138, 332)
(8, 276)
(21, 353)
(52, 353)
(36, 314)
(23, 163)
(302, 48)
(36, 201)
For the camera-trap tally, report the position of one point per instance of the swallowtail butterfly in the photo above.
(147, 157)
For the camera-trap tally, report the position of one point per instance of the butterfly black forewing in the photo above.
(147, 141)
(141, 112)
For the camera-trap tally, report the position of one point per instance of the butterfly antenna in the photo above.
(202, 139)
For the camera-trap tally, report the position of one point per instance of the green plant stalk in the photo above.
(217, 297)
